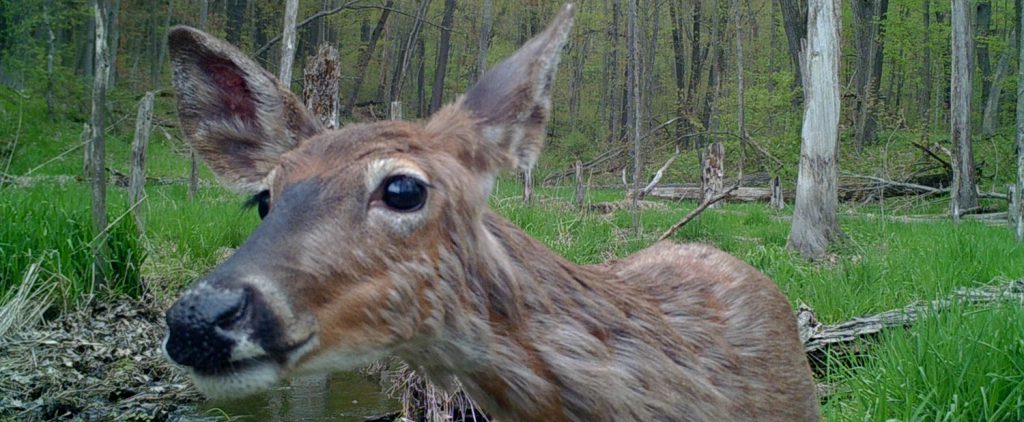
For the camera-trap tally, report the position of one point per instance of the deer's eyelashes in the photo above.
(261, 201)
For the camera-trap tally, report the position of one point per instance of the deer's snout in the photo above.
(208, 326)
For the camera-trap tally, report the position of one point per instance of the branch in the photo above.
(693, 214)
(658, 175)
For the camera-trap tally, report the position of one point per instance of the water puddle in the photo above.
(342, 397)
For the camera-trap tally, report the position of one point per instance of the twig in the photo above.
(693, 214)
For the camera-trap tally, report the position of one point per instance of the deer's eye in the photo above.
(404, 193)
(262, 203)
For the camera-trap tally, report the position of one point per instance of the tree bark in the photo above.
(484, 42)
(925, 101)
(868, 17)
(990, 114)
(291, 12)
(50, 49)
(794, 20)
(815, 223)
(740, 116)
(777, 200)
(320, 85)
(365, 55)
(137, 180)
(633, 88)
(113, 16)
(678, 64)
(443, 45)
(1020, 122)
(712, 172)
(983, 29)
(98, 174)
(406, 53)
(964, 187)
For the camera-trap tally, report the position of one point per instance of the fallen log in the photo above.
(742, 194)
(853, 335)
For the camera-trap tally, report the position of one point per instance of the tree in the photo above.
(868, 17)
(1020, 123)
(484, 41)
(814, 219)
(98, 172)
(794, 20)
(443, 45)
(291, 11)
(633, 111)
(364, 57)
(964, 191)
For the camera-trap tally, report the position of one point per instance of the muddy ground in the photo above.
(101, 362)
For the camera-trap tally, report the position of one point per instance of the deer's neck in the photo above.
(522, 320)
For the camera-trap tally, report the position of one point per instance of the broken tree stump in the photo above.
(581, 193)
(777, 201)
(137, 181)
(712, 172)
(321, 86)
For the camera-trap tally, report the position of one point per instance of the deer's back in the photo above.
(734, 331)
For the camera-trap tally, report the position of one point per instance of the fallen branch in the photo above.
(657, 176)
(693, 214)
(819, 339)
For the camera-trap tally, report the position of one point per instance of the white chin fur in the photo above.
(248, 381)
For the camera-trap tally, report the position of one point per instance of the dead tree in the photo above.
(320, 87)
(712, 172)
(395, 111)
(814, 218)
(365, 55)
(581, 193)
(137, 182)
(777, 201)
(1019, 192)
(443, 46)
(964, 195)
(97, 150)
(484, 41)
(990, 114)
(291, 12)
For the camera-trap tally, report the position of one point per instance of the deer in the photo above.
(376, 241)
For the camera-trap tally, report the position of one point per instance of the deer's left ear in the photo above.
(511, 103)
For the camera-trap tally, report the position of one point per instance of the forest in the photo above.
(865, 155)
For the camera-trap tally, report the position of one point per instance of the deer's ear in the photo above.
(511, 103)
(235, 114)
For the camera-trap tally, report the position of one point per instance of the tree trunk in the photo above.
(320, 87)
(421, 78)
(714, 75)
(98, 174)
(740, 116)
(633, 113)
(365, 55)
(50, 48)
(682, 126)
(794, 20)
(581, 193)
(925, 101)
(236, 14)
(712, 172)
(528, 186)
(443, 45)
(204, 14)
(990, 115)
(137, 180)
(114, 15)
(964, 188)
(777, 201)
(406, 53)
(612, 95)
(814, 219)
(868, 17)
(395, 111)
(982, 30)
(576, 81)
(291, 12)
(484, 42)
(1020, 122)
(161, 47)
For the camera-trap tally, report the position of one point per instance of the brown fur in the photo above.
(670, 333)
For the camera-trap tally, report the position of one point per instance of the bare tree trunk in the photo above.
(396, 111)
(794, 18)
(484, 42)
(528, 185)
(137, 180)
(924, 104)
(633, 88)
(320, 87)
(204, 13)
(365, 55)
(712, 173)
(291, 12)
(236, 13)
(581, 193)
(161, 47)
(990, 115)
(50, 48)
(964, 187)
(407, 50)
(777, 200)
(679, 61)
(1019, 193)
(443, 45)
(814, 219)
(612, 96)
(740, 117)
(868, 17)
(421, 78)
(98, 174)
(114, 15)
(982, 30)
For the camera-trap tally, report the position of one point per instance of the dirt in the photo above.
(100, 362)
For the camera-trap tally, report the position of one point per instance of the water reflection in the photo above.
(343, 397)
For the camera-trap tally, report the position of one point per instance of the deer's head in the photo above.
(369, 231)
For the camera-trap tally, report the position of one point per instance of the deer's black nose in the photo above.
(200, 327)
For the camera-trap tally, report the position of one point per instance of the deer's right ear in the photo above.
(234, 113)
